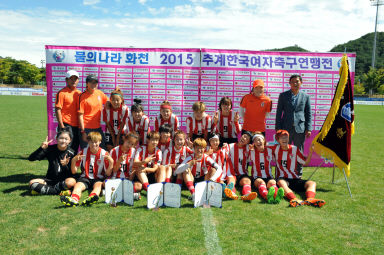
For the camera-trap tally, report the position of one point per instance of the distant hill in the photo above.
(289, 48)
(363, 48)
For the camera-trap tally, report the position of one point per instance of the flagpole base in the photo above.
(346, 180)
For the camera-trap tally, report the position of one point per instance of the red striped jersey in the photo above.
(199, 127)
(164, 146)
(141, 127)
(142, 153)
(237, 159)
(202, 165)
(226, 126)
(261, 163)
(125, 168)
(115, 117)
(220, 157)
(174, 156)
(286, 161)
(173, 121)
(93, 166)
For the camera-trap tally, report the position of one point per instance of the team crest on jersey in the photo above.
(262, 104)
(58, 55)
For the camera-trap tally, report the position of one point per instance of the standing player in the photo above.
(288, 177)
(137, 121)
(200, 124)
(66, 106)
(113, 118)
(166, 117)
(238, 169)
(59, 176)
(95, 165)
(260, 159)
(226, 122)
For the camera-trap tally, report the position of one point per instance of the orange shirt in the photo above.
(67, 100)
(255, 110)
(91, 106)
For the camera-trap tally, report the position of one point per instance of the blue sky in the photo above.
(26, 26)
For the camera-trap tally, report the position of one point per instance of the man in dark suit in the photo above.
(294, 113)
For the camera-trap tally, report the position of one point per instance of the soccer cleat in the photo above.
(279, 195)
(90, 200)
(231, 186)
(69, 201)
(136, 196)
(65, 193)
(314, 202)
(230, 194)
(34, 193)
(192, 197)
(249, 196)
(296, 202)
(270, 195)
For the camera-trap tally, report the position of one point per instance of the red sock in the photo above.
(310, 194)
(290, 196)
(145, 185)
(191, 187)
(167, 179)
(179, 181)
(92, 194)
(246, 189)
(75, 197)
(134, 190)
(263, 191)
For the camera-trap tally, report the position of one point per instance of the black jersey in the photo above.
(56, 172)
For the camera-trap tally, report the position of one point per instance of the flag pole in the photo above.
(333, 174)
(346, 180)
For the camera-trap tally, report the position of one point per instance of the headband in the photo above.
(166, 106)
(258, 135)
(215, 136)
(117, 94)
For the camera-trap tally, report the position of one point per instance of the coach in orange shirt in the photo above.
(91, 103)
(254, 107)
(66, 105)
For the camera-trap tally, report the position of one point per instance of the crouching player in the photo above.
(123, 156)
(238, 169)
(198, 166)
(288, 177)
(260, 159)
(59, 177)
(95, 164)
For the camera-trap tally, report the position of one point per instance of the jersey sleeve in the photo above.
(300, 157)
(243, 102)
(81, 105)
(59, 100)
(38, 154)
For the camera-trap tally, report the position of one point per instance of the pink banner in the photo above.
(184, 76)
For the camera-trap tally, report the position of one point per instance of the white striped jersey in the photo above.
(286, 161)
(237, 159)
(203, 166)
(174, 156)
(142, 127)
(199, 127)
(93, 166)
(261, 163)
(226, 126)
(173, 121)
(142, 153)
(164, 146)
(125, 168)
(220, 157)
(115, 117)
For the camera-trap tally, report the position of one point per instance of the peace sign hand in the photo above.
(65, 160)
(237, 117)
(45, 144)
(216, 118)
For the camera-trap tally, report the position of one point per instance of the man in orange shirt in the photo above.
(66, 105)
(91, 103)
(254, 107)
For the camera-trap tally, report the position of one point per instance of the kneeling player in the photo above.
(260, 159)
(288, 177)
(95, 163)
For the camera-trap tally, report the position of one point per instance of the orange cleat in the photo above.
(230, 194)
(314, 202)
(249, 196)
(296, 202)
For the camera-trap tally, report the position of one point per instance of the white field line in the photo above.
(211, 239)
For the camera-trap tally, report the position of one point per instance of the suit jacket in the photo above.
(288, 116)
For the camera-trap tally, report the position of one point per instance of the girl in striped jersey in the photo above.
(238, 169)
(137, 121)
(226, 122)
(200, 124)
(147, 161)
(165, 137)
(166, 117)
(218, 154)
(260, 159)
(288, 177)
(95, 164)
(174, 156)
(113, 118)
(198, 166)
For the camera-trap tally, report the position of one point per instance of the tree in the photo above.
(373, 79)
(19, 72)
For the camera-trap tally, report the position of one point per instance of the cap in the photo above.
(258, 83)
(72, 73)
(91, 77)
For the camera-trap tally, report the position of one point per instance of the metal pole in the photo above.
(374, 40)
(345, 176)
(333, 174)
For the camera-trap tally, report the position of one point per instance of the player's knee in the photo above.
(310, 184)
(281, 183)
(271, 182)
(138, 186)
(70, 182)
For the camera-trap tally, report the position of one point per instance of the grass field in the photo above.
(40, 225)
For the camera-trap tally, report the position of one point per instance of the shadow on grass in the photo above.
(19, 178)
(22, 157)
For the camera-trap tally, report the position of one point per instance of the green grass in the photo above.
(40, 225)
